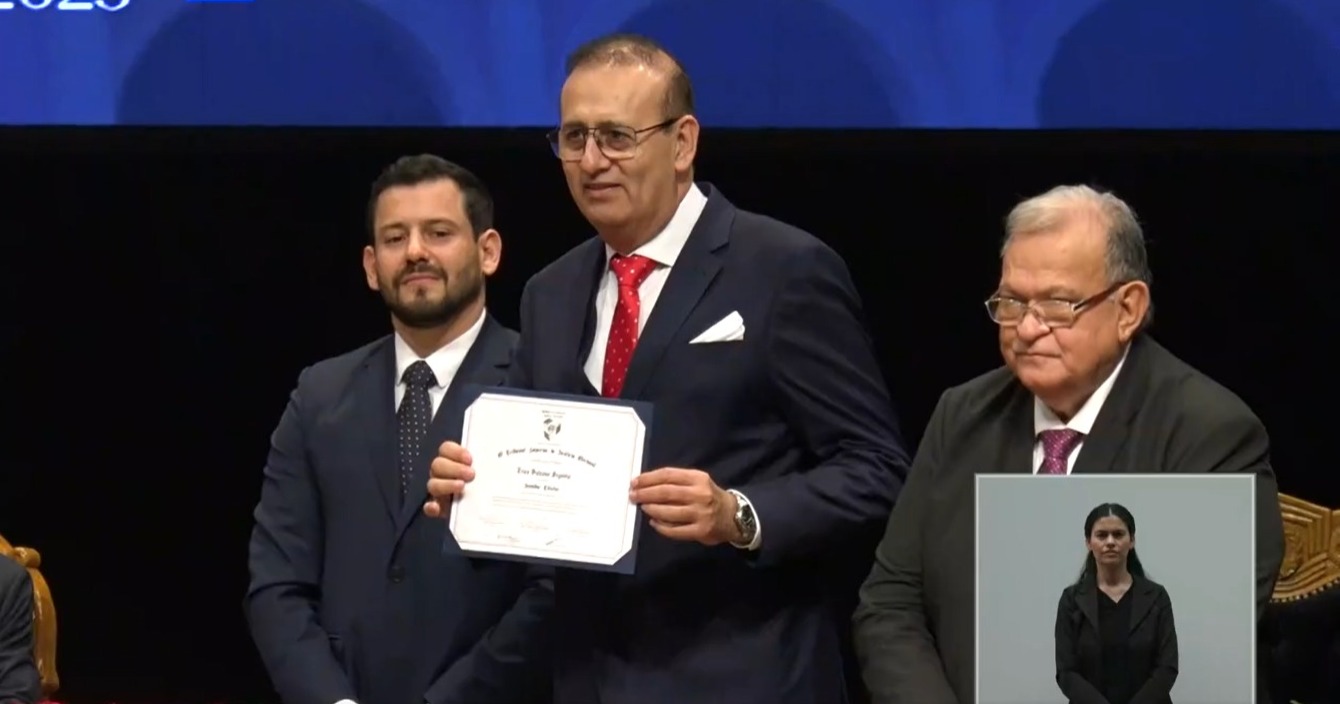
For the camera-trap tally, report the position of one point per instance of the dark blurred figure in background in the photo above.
(19, 681)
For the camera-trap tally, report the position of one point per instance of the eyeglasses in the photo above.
(1053, 313)
(616, 142)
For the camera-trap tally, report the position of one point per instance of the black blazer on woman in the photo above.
(1150, 640)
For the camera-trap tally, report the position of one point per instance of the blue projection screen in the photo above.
(1020, 64)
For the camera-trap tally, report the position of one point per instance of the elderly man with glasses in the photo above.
(774, 454)
(1084, 389)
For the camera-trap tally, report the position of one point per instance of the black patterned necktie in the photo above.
(414, 415)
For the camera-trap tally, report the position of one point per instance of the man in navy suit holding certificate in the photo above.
(775, 456)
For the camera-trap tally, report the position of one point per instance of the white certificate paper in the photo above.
(552, 477)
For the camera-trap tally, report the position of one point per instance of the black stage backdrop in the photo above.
(165, 287)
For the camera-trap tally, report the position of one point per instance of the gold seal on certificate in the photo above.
(552, 475)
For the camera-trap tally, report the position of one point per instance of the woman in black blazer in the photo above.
(1115, 638)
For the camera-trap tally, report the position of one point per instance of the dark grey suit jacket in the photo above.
(19, 681)
(914, 627)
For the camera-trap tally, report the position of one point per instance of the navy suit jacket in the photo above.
(795, 416)
(351, 595)
(19, 681)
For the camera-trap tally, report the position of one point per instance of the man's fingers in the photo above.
(692, 531)
(668, 475)
(444, 468)
(455, 453)
(664, 494)
(447, 489)
(671, 515)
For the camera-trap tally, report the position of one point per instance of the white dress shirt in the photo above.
(664, 249)
(1045, 419)
(445, 362)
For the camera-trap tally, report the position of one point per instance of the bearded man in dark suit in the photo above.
(352, 599)
(1084, 389)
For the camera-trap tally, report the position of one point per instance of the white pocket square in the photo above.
(728, 329)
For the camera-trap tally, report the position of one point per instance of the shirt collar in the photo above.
(444, 362)
(1045, 419)
(666, 246)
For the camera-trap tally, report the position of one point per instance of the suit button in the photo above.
(397, 574)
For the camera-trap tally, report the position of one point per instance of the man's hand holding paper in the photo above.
(451, 470)
(685, 504)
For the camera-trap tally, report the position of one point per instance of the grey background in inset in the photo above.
(1195, 535)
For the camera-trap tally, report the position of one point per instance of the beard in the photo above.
(424, 309)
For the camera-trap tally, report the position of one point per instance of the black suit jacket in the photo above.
(915, 622)
(351, 595)
(795, 416)
(1152, 643)
(19, 680)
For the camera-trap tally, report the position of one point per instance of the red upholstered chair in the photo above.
(44, 615)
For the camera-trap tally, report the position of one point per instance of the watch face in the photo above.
(747, 518)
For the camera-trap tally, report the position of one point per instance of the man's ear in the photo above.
(686, 143)
(370, 267)
(489, 244)
(1132, 307)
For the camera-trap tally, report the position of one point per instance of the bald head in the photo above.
(636, 51)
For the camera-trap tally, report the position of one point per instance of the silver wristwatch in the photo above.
(745, 520)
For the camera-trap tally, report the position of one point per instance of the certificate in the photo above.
(552, 475)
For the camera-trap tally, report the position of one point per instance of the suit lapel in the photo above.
(694, 270)
(579, 316)
(1087, 598)
(1111, 428)
(485, 363)
(1142, 601)
(375, 397)
(1019, 445)
(1013, 444)
(1142, 595)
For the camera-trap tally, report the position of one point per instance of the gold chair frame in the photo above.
(1311, 550)
(44, 615)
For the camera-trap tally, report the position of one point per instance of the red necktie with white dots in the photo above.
(630, 271)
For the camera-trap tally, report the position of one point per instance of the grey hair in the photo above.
(1125, 259)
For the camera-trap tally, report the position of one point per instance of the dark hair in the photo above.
(623, 49)
(1133, 564)
(426, 168)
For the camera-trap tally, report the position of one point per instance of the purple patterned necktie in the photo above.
(1056, 448)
